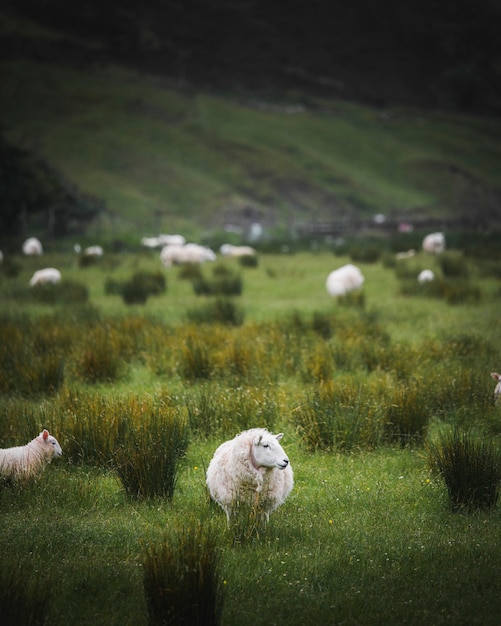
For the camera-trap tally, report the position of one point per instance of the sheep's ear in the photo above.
(45, 434)
(495, 375)
(279, 436)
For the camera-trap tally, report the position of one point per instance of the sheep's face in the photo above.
(51, 442)
(267, 452)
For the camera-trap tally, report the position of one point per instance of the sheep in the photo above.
(343, 280)
(228, 249)
(29, 459)
(176, 254)
(163, 240)
(46, 275)
(425, 276)
(405, 255)
(32, 246)
(434, 243)
(93, 251)
(253, 469)
(497, 389)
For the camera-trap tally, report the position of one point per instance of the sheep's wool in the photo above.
(251, 469)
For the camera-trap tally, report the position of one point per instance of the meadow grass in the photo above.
(367, 535)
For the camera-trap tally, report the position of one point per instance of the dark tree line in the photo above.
(33, 192)
(419, 52)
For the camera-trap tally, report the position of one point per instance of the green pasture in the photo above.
(363, 388)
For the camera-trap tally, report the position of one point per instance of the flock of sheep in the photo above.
(252, 469)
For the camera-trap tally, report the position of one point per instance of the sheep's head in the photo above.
(51, 443)
(267, 451)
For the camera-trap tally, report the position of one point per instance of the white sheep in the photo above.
(176, 254)
(345, 279)
(163, 240)
(434, 243)
(29, 459)
(253, 469)
(228, 249)
(47, 275)
(93, 251)
(408, 254)
(32, 246)
(425, 276)
(497, 388)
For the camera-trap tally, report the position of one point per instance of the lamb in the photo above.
(29, 459)
(47, 275)
(32, 246)
(497, 389)
(343, 280)
(228, 249)
(434, 243)
(253, 469)
(425, 276)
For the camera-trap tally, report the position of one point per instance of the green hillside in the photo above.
(168, 159)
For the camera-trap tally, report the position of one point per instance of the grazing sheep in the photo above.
(497, 389)
(434, 243)
(228, 249)
(30, 458)
(176, 254)
(163, 240)
(252, 468)
(425, 276)
(344, 280)
(405, 255)
(47, 275)
(32, 246)
(93, 251)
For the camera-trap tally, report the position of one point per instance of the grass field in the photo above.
(360, 387)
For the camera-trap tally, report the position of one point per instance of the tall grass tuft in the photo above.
(219, 311)
(470, 467)
(147, 460)
(182, 578)
(31, 360)
(222, 284)
(215, 410)
(24, 597)
(339, 416)
(407, 414)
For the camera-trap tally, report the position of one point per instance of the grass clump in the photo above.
(219, 311)
(138, 288)
(470, 468)
(147, 459)
(182, 578)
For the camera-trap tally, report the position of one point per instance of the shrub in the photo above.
(470, 467)
(182, 580)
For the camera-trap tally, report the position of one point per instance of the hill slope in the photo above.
(166, 158)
